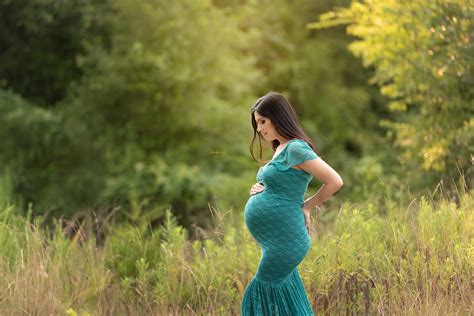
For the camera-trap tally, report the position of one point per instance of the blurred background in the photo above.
(105, 102)
(126, 109)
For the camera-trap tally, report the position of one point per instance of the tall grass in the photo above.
(416, 261)
(413, 259)
(45, 276)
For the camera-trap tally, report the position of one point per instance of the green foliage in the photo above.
(6, 188)
(415, 259)
(158, 88)
(158, 116)
(129, 245)
(157, 185)
(422, 54)
(160, 104)
(373, 262)
(47, 162)
(163, 115)
(41, 41)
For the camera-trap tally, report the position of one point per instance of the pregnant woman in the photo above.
(276, 213)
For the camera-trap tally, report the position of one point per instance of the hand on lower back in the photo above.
(307, 220)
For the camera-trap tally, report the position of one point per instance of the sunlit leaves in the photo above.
(422, 53)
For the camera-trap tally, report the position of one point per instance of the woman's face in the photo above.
(266, 128)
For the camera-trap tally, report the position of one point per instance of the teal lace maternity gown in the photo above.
(275, 219)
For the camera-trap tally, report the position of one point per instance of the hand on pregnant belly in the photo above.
(257, 188)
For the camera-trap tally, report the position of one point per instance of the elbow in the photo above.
(335, 183)
(338, 183)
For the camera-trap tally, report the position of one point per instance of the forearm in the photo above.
(324, 193)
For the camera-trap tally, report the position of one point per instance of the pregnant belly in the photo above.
(267, 216)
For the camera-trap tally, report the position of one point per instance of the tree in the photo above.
(422, 53)
(41, 41)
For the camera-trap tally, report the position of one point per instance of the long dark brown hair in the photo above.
(276, 107)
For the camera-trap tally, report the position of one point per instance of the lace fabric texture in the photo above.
(295, 152)
(275, 219)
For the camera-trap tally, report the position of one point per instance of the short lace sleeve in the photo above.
(297, 152)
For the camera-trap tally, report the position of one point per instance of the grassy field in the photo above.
(414, 258)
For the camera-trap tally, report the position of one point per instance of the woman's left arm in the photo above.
(326, 174)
